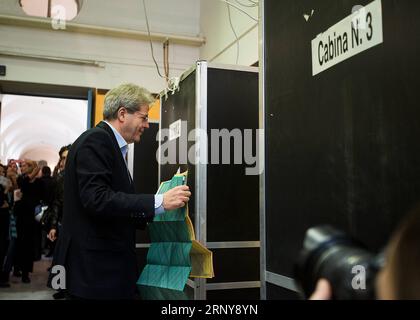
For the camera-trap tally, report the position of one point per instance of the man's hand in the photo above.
(322, 291)
(176, 198)
(52, 235)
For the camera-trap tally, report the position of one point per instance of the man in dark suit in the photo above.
(101, 210)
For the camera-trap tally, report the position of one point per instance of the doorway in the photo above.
(36, 120)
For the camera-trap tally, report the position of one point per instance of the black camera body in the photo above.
(330, 254)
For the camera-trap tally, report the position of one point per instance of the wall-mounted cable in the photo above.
(250, 4)
(234, 32)
(166, 58)
(173, 83)
(238, 8)
(150, 39)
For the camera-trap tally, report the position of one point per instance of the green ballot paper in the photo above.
(174, 254)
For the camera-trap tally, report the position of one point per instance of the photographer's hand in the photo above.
(322, 291)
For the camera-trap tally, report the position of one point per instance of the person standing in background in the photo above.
(24, 210)
(54, 213)
(5, 186)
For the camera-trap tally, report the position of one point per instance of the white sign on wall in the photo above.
(356, 33)
(175, 130)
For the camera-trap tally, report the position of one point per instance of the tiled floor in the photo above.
(36, 290)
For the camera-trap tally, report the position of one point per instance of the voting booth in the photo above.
(223, 101)
(340, 105)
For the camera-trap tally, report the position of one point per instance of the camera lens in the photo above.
(329, 253)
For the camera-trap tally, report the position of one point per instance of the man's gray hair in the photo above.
(129, 96)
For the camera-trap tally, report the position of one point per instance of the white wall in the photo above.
(220, 44)
(119, 60)
(165, 16)
(110, 60)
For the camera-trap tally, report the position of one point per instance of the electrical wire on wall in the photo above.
(237, 7)
(150, 39)
(250, 3)
(234, 32)
(166, 58)
(173, 83)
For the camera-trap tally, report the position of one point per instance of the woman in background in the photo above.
(24, 210)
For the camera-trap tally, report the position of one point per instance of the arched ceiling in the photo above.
(37, 127)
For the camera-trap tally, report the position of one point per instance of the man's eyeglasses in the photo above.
(144, 117)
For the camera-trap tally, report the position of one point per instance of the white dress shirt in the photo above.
(124, 149)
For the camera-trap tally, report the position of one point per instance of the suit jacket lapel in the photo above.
(106, 127)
